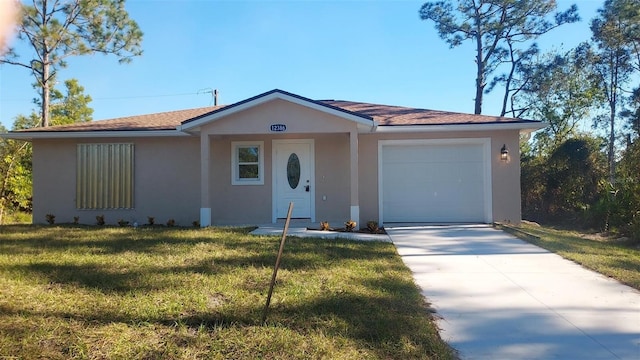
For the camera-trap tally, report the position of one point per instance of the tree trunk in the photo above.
(3, 189)
(480, 59)
(1, 211)
(45, 72)
(613, 103)
(507, 85)
(479, 93)
(479, 77)
(46, 92)
(612, 139)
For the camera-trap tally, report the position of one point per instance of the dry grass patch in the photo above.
(617, 259)
(167, 293)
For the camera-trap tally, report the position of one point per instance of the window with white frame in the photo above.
(247, 163)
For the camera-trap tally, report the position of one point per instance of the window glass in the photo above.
(248, 154)
(293, 170)
(248, 171)
(247, 163)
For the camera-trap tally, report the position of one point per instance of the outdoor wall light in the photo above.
(504, 153)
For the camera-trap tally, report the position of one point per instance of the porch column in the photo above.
(205, 200)
(355, 199)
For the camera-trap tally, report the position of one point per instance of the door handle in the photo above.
(306, 188)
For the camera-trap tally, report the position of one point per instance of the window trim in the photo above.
(235, 163)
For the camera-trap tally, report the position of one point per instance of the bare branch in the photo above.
(493, 26)
(10, 62)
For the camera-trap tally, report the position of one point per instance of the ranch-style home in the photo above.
(244, 163)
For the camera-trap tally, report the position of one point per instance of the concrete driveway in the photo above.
(498, 297)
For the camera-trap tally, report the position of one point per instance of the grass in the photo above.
(16, 217)
(161, 293)
(617, 259)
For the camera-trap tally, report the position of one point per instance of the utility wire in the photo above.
(115, 97)
(141, 96)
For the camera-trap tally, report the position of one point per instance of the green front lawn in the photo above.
(167, 293)
(617, 259)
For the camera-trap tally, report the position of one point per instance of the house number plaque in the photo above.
(278, 127)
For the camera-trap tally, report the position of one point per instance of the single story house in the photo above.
(244, 163)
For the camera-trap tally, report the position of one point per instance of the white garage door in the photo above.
(435, 182)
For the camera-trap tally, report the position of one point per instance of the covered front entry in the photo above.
(435, 181)
(293, 178)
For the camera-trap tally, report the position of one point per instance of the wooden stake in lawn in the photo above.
(275, 268)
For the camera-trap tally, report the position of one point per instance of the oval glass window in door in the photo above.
(293, 170)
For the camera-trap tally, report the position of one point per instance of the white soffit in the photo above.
(30, 135)
(526, 127)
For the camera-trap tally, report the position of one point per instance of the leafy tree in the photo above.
(626, 212)
(566, 183)
(72, 107)
(495, 27)
(575, 170)
(561, 91)
(627, 28)
(612, 61)
(633, 116)
(629, 12)
(15, 172)
(58, 29)
(15, 155)
(533, 182)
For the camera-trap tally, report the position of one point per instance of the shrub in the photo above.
(100, 220)
(350, 225)
(372, 226)
(51, 219)
(151, 220)
(324, 225)
(563, 186)
(123, 223)
(196, 223)
(171, 223)
(76, 220)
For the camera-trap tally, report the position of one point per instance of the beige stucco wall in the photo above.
(505, 175)
(298, 119)
(506, 178)
(332, 164)
(167, 170)
(251, 204)
(166, 183)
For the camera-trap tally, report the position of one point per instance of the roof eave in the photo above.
(526, 127)
(31, 135)
(194, 125)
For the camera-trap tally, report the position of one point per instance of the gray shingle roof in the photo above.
(158, 121)
(387, 115)
(384, 115)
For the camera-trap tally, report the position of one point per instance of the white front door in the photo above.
(293, 178)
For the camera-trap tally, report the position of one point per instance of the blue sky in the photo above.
(369, 51)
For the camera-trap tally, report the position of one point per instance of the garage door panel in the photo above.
(433, 183)
(437, 153)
